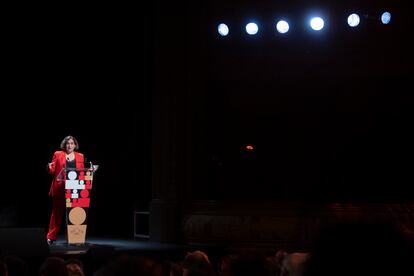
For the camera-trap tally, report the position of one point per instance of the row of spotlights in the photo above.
(316, 23)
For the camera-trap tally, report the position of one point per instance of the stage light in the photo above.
(222, 29)
(317, 23)
(249, 147)
(385, 17)
(282, 26)
(252, 28)
(353, 20)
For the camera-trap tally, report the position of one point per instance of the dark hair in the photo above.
(53, 266)
(65, 141)
(198, 264)
(129, 265)
(250, 262)
(74, 261)
(16, 265)
(175, 269)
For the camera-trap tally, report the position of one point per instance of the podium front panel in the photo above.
(78, 186)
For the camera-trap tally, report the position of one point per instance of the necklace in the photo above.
(69, 157)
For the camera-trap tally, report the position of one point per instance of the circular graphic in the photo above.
(77, 216)
(81, 182)
(84, 193)
(72, 175)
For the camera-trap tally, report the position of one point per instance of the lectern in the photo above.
(78, 188)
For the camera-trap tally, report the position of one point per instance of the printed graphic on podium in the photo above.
(78, 185)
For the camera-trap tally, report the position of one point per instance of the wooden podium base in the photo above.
(76, 234)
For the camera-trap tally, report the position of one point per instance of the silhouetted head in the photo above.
(74, 267)
(197, 263)
(16, 266)
(250, 262)
(53, 266)
(128, 265)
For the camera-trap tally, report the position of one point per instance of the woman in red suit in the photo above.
(68, 157)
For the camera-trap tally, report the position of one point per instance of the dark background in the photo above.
(82, 70)
(329, 114)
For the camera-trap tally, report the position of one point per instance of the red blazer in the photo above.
(59, 163)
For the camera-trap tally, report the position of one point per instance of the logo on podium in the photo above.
(78, 186)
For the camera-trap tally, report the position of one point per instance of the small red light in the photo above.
(249, 147)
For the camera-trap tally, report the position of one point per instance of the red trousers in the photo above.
(58, 210)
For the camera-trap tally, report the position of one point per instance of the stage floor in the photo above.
(61, 247)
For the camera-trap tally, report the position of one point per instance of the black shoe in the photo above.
(50, 242)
